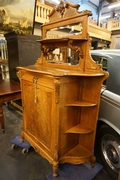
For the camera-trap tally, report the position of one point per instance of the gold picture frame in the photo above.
(18, 16)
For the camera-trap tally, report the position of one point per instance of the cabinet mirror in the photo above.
(66, 51)
(63, 55)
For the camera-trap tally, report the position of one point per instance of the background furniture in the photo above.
(61, 91)
(9, 90)
(4, 69)
(23, 50)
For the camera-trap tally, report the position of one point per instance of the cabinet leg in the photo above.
(55, 168)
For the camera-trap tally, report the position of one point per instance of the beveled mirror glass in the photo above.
(65, 31)
(63, 54)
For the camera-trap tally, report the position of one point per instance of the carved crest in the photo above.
(64, 9)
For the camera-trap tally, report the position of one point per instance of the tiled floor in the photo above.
(17, 166)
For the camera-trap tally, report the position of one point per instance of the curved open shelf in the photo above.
(80, 129)
(76, 155)
(81, 104)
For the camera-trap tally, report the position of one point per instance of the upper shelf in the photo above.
(62, 39)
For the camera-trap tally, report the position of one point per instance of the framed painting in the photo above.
(17, 15)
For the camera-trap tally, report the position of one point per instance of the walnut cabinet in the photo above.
(61, 91)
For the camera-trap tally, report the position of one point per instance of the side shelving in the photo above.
(81, 103)
(77, 154)
(80, 152)
(80, 129)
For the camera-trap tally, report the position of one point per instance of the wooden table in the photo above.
(9, 90)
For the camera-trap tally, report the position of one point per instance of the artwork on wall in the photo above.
(17, 15)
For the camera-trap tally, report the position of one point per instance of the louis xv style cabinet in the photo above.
(61, 91)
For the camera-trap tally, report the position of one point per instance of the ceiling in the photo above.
(103, 7)
(100, 5)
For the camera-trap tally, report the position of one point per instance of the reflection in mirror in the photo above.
(63, 56)
(73, 29)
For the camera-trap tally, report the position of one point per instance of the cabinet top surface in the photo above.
(58, 72)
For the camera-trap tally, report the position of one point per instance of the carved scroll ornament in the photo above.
(75, 48)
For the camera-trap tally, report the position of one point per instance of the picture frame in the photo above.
(18, 16)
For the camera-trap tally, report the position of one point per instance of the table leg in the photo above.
(2, 118)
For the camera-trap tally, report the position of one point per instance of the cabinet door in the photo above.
(38, 113)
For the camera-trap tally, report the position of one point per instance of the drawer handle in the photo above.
(35, 89)
(35, 80)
